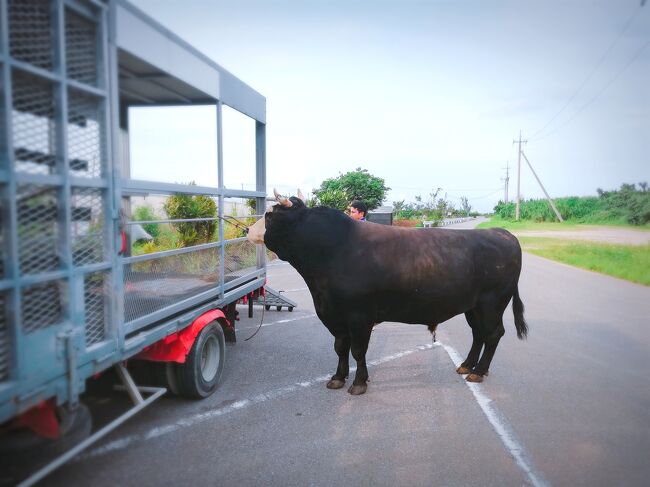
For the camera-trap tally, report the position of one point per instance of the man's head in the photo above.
(358, 210)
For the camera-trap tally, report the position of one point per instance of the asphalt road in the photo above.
(569, 406)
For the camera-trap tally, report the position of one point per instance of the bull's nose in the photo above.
(255, 237)
(256, 232)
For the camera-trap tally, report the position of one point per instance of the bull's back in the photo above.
(420, 275)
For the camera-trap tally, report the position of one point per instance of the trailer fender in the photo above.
(41, 419)
(175, 347)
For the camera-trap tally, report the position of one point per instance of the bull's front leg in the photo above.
(342, 349)
(359, 337)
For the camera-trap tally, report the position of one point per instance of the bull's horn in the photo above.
(301, 196)
(281, 199)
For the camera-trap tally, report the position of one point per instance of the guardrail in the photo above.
(447, 221)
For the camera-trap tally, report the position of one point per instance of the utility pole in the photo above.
(506, 180)
(550, 201)
(518, 174)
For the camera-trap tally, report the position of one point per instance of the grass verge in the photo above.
(555, 226)
(629, 262)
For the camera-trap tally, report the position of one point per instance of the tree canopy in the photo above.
(354, 185)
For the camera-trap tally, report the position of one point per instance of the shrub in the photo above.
(182, 207)
(627, 205)
(145, 213)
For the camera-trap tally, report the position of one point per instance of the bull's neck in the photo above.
(323, 238)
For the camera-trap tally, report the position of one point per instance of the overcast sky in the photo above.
(424, 94)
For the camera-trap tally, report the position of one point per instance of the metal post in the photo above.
(518, 179)
(9, 213)
(127, 380)
(260, 181)
(114, 174)
(507, 181)
(222, 201)
(557, 213)
(61, 147)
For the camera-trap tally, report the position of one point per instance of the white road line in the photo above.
(156, 432)
(279, 322)
(500, 425)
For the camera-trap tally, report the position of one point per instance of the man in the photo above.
(358, 210)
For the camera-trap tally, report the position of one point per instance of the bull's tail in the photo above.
(518, 310)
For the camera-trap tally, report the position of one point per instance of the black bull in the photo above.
(361, 274)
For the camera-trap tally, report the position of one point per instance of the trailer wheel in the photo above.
(171, 375)
(267, 307)
(20, 447)
(199, 376)
(279, 308)
(290, 309)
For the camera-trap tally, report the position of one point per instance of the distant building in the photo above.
(383, 215)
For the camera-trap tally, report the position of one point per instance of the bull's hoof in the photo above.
(357, 390)
(463, 370)
(474, 378)
(335, 384)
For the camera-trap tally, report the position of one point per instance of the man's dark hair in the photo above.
(360, 206)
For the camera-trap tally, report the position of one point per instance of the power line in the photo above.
(600, 92)
(589, 76)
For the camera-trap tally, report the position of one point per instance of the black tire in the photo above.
(267, 307)
(171, 378)
(279, 308)
(21, 448)
(290, 309)
(199, 376)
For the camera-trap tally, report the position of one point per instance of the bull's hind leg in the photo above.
(477, 343)
(360, 336)
(491, 342)
(342, 349)
(490, 320)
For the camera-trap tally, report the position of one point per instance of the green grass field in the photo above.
(629, 262)
(555, 226)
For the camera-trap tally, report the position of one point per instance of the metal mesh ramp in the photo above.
(274, 298)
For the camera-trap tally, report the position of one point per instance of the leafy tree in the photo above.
(399, 205)
(465, 207)
(334, 198)
(434, 208)
(355, 185)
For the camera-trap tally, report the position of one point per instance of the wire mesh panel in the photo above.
(81, 48)
(240, 259)
(96, 300)
(30, 32)
(86, 141)
(270, 255)
(4, 338)
(38, 229)
(42, 305)
(87, 226)
(3, 243)
(158, 283)
(34, 126)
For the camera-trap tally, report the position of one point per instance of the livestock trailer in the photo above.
(77, 297)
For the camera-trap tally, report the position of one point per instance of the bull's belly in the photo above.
(417, 319)
(427, 313)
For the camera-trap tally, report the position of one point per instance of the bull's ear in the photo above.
(301, 196)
